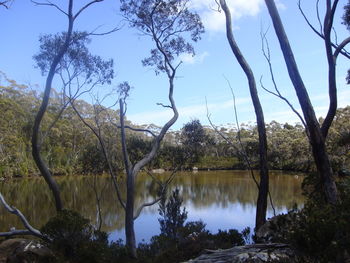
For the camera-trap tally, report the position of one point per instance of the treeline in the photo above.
(69, 147)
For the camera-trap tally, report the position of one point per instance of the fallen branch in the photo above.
(30, 230)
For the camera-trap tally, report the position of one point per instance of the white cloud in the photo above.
(215, 21)
(189, 59)
(280, 5)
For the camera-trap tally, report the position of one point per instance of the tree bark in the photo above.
(264, 174)
(317, 139)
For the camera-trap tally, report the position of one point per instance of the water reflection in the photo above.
(222, 199)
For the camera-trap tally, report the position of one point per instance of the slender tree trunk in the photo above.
(45, 172)
(264, 174)
(130, 190)
(129, 216)
(317, 139)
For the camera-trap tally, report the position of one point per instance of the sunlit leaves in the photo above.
(166, 22)
(76, 62)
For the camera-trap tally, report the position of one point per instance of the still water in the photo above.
(221, 199)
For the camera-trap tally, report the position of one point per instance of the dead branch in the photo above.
(97, 132)
(163, 105)
(4, 3)
(267, 55)
(49, 3)
(320, 33)
(163, 186)
(30, 230)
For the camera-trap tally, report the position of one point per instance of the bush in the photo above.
(179, 241)
(73, 239)
(319, 230)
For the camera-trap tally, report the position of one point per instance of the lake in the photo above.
(221, 199)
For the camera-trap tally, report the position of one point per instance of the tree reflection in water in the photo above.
(222, 199)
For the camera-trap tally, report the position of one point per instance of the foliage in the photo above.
(319, 230)
(73, 239)
(178, 241)
(346, 22)
(165, 21)
(193, 138)
(70, 148)
(172, 218)
(77, 59)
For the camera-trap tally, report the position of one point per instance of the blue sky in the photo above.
(199, 77)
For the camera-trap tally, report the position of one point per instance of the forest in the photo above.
(56, 132)
(71, 149)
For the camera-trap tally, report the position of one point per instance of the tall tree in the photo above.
(264, 174)
(55, 60)
(317, 131)
(165, 22)
(193, 138)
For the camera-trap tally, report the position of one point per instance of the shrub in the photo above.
(319, 230)
(73, 239)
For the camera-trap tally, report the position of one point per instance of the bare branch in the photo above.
(308, 21)
(163, 105)
(163, 186)
(318, 15)
(4, 3)
(15, 232)
(92, 33)
(267, 55)
(319, 33)
(138, 130)
(84, 7)
(97, 133)
(50, 4)
(341, 46)
(23, 219)
(139, 210)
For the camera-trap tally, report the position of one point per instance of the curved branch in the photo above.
(341, 46)
(319, 33)
(278, 93)
(23, 219)
(84, 7)
(164, 186)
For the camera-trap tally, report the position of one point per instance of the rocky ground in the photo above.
(257, 253)
(20, 250)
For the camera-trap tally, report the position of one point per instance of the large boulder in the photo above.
(20, 250)
(257, 253)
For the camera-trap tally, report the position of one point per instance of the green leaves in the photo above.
(166, 22)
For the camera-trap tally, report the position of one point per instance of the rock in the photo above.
(344, 173)
(274, 229)
(257, 253)
(20, 250)
(158, 171)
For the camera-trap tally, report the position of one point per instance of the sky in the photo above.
(201, 78)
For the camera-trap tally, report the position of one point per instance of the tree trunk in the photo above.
(40, 115)
(316, 138)
(129, 216)
(130, 189)
(264, 174)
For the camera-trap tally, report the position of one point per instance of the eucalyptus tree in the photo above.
(60, 46)
(193, 138)
(264, 174)
(317, 131)
(170, 25)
